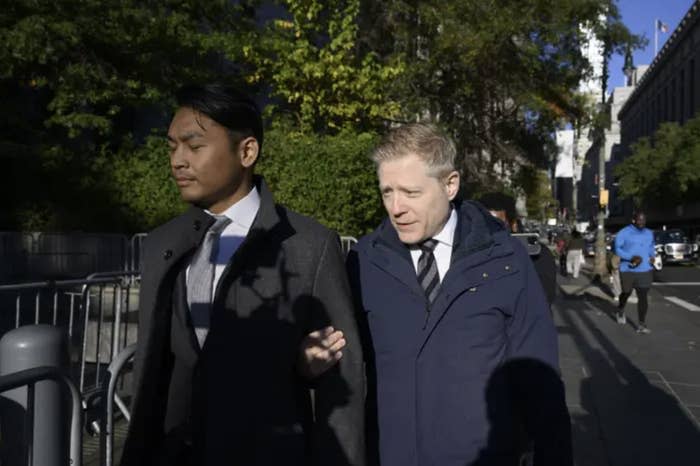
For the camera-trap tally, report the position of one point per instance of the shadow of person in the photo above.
(265, 413)
(637, 421)
(582, 296)
(240, 398)
(527, 416)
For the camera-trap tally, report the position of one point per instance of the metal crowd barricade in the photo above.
(82, 307)
(121, 284)
(29, 378)
(135, 251)
(111, 397)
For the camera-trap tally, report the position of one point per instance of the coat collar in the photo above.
(475, 231)
(479, 238)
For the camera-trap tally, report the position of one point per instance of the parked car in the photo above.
(674, 248)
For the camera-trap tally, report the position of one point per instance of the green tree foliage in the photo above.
(84, 82)
(500, 74)
(94, 59)
(328, 177)
(312, 62)
(140, 181)
(80, 78)
(663, 171)
(536, 186)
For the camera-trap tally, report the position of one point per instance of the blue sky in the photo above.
(639, 16)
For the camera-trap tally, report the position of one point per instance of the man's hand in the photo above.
(320, 350)
(652, 260)
(636, 260)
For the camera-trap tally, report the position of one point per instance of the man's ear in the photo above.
(452, 184)
(248, 151)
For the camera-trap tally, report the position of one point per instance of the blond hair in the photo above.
(426, 141)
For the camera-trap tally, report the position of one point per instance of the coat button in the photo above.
(507, 267)
(472, 289)
(168, 254)
(197, 225)
(485, 275)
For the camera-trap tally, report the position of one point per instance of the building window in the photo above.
(691, 90)
(681, 98)
(660, 117)
(673, 116)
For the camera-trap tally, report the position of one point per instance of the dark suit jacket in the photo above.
(239, 400)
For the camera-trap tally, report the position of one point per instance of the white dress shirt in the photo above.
(443, 249)
(242, 215)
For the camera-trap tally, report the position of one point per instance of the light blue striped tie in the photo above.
(200, 279)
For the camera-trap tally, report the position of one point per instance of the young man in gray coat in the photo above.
(228, 291)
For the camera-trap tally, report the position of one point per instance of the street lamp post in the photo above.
(628, 68)
(600, 252)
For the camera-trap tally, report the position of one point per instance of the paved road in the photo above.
(634, 399)
(680, 284)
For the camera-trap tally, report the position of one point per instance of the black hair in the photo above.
(500, 201)
(229, 107)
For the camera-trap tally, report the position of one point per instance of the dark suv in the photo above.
(674, 247)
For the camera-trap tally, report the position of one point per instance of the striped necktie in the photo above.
(200, 279)
(427, 271)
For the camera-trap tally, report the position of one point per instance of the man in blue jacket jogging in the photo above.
(634, 244)
(462, 354)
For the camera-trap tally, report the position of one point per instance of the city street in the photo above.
(680, 284)
(634, 399)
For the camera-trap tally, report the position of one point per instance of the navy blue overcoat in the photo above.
(465, 380)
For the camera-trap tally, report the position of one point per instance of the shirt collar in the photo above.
(447, 234)
(244, 211)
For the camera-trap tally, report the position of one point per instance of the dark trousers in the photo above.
(642, 305)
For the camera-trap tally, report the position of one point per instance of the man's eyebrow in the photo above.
(187, 136)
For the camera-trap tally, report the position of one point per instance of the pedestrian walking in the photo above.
(614, 270)
(574, 253)
(634, 244)
(462, 354)
(229, 288)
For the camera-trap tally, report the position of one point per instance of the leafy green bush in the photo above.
(327, 177)
(142, 187)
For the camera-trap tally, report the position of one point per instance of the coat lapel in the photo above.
(176, 250)
(474, 245)
(394, 258)
(269, 229)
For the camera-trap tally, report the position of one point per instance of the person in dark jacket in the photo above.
(229, 290)
(502, 206)
(460, 345)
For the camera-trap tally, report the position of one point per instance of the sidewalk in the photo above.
(634, 399)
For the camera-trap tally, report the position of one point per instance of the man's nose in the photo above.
(397, 206)
(177, 158)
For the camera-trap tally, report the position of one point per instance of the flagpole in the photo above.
(656, 37)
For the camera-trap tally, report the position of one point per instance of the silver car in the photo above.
(674, 248)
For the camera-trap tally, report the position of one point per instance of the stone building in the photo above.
(669, 91)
